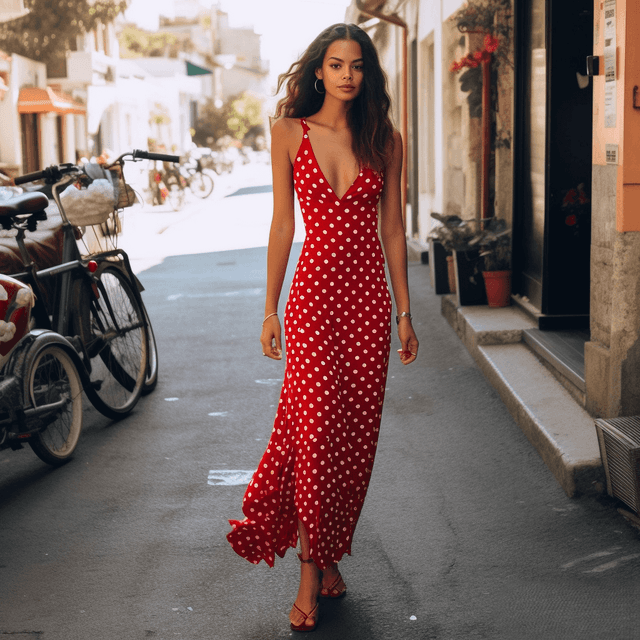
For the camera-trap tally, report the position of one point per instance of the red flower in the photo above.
(478, 55)
(491, 43)
(570, 197)
(570, 220)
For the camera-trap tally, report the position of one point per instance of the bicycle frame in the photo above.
(58, 316)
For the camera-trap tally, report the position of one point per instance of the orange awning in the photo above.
(37, 100)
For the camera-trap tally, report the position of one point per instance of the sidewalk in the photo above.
(562, 432)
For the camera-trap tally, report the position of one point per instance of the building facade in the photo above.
(562, 168)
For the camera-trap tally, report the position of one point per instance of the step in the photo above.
(562, 432)
(563, 350)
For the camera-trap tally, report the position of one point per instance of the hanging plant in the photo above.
(475, 59)
(491, 18)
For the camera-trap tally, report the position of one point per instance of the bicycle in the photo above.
(91, 319)
(175, 184)
(200, 183)
(40, 380)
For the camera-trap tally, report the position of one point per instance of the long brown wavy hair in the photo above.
(371, 128)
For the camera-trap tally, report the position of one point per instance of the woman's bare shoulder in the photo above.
(395, 139)
(287, 127)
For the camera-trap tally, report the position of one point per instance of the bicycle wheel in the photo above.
(111, 328)
(54, 381)
(175, 193)
(151, 378)
(201, 185)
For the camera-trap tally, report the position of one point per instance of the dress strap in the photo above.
(305, 126)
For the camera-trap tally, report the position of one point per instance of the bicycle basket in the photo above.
(126, 195)
(92, 205)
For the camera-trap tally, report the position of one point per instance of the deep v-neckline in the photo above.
(324, 177)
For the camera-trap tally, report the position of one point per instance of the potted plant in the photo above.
(494, 243)
(453, 234)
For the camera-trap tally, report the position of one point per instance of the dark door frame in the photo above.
(562, 261)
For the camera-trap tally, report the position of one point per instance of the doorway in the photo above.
(30, 124)
(553, 137)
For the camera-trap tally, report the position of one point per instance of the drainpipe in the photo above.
(394, 19)
(486, 134)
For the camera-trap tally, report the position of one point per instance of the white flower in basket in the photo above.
(92, 205)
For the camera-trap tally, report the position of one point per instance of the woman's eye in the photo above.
(335, 66)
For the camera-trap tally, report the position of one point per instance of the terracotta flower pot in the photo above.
(451, 272)
(498, 286)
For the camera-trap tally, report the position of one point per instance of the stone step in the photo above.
(562, 432)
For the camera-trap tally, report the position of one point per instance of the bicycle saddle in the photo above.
(24, 203)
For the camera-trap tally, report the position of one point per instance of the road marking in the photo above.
(593, 556)
(271, 381)
(220, 414)
(171, 399)
(218, 294)
(613, 564)
(229, 477)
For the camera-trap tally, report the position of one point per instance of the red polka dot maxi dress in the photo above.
(337, 332)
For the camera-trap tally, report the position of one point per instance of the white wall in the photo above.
(24, 72)
(430, 42)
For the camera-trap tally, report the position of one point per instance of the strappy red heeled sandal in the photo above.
(304, 626)
(332, 591)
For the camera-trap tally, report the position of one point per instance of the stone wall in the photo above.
(612, 357)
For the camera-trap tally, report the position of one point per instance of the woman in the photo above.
(335, 147)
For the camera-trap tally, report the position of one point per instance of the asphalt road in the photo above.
(465, 534)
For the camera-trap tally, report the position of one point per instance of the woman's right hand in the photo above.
(270, 338)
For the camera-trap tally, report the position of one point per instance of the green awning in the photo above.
(195, 70)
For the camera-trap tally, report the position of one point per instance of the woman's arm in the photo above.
(395, 249)
(280, 236)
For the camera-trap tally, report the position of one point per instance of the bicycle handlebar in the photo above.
(50, 174)
(55, 173)
(147, 155)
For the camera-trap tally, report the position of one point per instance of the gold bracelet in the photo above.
(269, 316)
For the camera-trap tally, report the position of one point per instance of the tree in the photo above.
(234, 118)
(52, 26)
(137, 43)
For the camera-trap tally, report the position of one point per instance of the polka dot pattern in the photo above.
(320, 455)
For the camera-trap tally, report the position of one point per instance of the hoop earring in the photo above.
(315, 84)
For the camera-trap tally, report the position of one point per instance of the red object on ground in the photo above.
(498, 286)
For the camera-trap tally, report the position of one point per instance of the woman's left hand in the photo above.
(408, 340)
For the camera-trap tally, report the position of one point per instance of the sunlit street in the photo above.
(446, 447)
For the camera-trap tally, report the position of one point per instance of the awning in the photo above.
(37, 100)
(195, 70)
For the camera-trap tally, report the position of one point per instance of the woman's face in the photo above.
(342, 70)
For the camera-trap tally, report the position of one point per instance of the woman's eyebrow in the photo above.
(341, 60)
